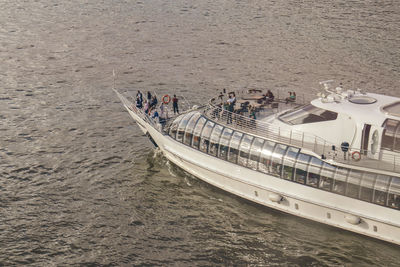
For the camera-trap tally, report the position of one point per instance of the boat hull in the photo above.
(297, 199)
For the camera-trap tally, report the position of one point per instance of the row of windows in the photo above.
(283, 161)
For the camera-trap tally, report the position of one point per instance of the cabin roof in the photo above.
(369, 108)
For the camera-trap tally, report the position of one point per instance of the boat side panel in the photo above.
(295, 206)
(298, 199)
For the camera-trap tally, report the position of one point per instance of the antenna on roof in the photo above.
(326, 91)
(113, 79)
(326, 84)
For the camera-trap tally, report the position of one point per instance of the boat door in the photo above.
(365, 139)
(370, 144)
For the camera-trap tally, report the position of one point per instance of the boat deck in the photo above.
(261, 127)
(240, 120)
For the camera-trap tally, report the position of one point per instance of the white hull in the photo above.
(303, 201)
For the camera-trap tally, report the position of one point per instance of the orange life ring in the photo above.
(166, 99)
(356, 156)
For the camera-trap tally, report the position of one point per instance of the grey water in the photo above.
(81, 185)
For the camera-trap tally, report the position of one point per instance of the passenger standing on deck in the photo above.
(146, 107)
(221, 96)
(148, 96)
(154, 101)
(175, 104)
(139, 99)
(163, 115)
(162, 110)
(233, 100)
(155, 115)
(231, 104)
(139, 103)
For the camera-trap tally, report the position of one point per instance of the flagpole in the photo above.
(113, 79)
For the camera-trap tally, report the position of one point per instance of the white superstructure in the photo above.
(331, 161)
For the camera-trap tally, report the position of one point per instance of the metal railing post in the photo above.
(315, 144)
(279, 133)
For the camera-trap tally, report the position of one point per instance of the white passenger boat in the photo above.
(335, 160)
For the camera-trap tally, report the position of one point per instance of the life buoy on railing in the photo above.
(166, 99)
(356, 156)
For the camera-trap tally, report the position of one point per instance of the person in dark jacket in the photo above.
(175, 104)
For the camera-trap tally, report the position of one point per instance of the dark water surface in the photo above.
(79, 184)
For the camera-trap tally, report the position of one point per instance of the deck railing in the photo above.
(326, 150)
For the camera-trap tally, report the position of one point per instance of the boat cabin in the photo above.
(367, 122)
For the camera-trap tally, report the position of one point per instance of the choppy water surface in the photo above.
(79, 184)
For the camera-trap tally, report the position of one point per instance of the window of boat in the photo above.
(391, 135)
(265, 157)
(288, 163)
(245, 149)
(367, 185)
(394, 193)
(234, 146)
(301, 168)
(215, 135)
(308, 114)
(326, 179)
(205, 136)
(314, 171)
(187, 139)
(224, 143)
(174, 127)
(353, 183)
(182, 127)
(339, 182)
(255, 151)
(276, 159)
(392, 109)
(381, 189)
(197, 131)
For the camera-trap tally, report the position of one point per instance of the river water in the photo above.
(80, 184)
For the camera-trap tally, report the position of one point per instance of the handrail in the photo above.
(146, 117)
(313, 143)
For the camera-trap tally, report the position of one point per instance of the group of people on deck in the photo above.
(227, 106)
(149, 106)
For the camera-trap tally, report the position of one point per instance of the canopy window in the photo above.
(197, 131)
(215, 136)
(234, 146)
(205, 136)
(189, 129)
(182, 127)
(265, 157)
(255, 152)
(224, 143)
(244, 149)
(308, 114)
